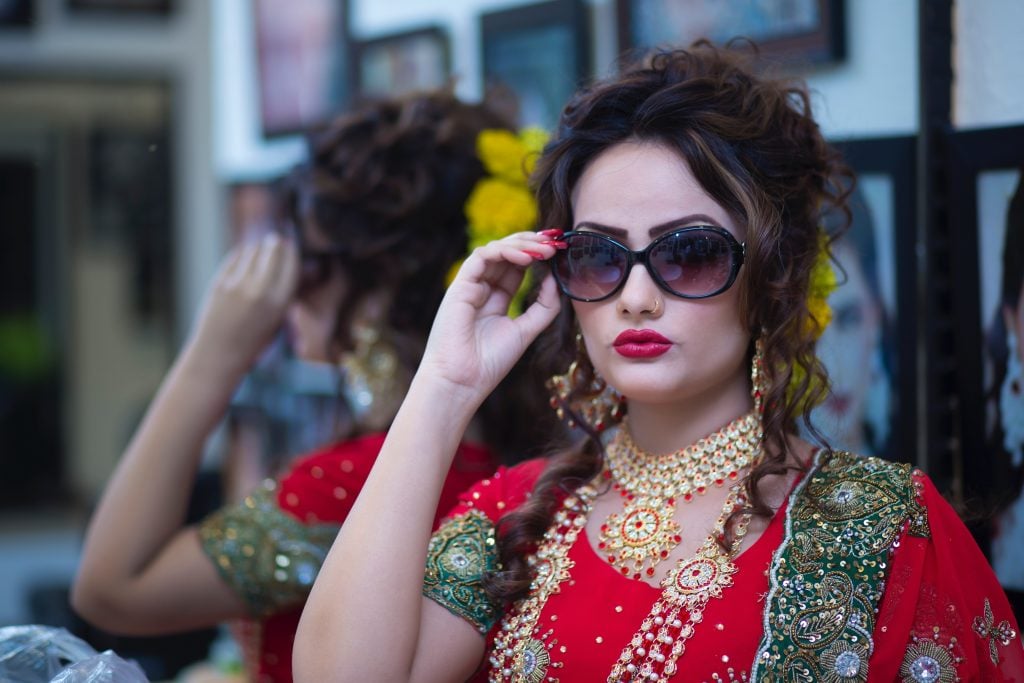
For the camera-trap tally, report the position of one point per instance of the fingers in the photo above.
(541, 312)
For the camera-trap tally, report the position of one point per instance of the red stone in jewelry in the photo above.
(645, 532)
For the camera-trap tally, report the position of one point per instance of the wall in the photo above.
(988, 63)
(873, 92)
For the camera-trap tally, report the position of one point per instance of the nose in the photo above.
(641, 295)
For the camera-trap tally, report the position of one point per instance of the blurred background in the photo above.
(138, 139)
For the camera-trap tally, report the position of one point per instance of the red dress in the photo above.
(864, 574)
(269, 547)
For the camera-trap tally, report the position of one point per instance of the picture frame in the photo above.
(986, 208)
(126, 8)
(790, 31)
(870, 346)
(400, 63)
(537, 53)
(302, 52)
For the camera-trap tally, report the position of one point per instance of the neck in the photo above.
(663, 428)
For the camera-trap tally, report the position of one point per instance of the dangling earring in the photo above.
(596, 403)
(373, 381)
(758, 382)
(1011, 402)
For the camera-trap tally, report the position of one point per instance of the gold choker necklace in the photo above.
(645, 532)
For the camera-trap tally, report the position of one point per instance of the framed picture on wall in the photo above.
(123, 7)
(537, 53)
(802, 31)
(869, 348)
(987, 210)
(401, 62)
(302, 49)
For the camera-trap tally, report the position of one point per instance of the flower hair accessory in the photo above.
(501, 202)
(823, 283)
(819, 313)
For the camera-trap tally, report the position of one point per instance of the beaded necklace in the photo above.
(636, 540)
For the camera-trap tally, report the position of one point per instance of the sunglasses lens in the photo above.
(693, 263)
(591, 267)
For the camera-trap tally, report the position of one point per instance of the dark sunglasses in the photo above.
(692, 263)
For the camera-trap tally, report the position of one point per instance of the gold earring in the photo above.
(582, 394)
(373, 382)
(758, 381)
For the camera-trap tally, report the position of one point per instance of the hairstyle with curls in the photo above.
(755, 148)
(385, 185)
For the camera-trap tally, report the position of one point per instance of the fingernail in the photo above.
(534, 254)
(557, 244)
(552, 232)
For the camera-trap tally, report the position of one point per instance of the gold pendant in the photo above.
(642, 535)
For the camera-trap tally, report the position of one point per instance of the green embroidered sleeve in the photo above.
(828, 575)
(267, 556)
(461, 551)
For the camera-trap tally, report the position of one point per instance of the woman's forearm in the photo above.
(145, 501)
(375, 568)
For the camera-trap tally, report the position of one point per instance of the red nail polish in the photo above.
(534, 254)
(557, 244)
(552, 232)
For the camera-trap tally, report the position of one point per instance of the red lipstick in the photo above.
(641, 344)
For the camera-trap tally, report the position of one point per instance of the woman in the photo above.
(1006, 399)
(374, 221)
(691, 192)
(856, 347)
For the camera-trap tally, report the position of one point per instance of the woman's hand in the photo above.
(245, 303)
(474, 343)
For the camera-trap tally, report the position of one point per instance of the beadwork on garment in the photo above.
(461, 551)
(267, 556)
(829, 574)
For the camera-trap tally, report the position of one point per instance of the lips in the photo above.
(641, 344)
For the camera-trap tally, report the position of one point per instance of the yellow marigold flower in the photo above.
(510, 156)
(823, 283)
(497, 208)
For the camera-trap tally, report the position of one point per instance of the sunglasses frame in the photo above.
(737, 249)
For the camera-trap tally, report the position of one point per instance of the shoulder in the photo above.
(502, 492)
(844, 486)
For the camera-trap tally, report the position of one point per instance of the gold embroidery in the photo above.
(987, 629)
(514, 654)
(461, 552)
(267, 556)
(828, 575)
(928, 662)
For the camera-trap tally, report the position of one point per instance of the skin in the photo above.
(142, 571)
(376, 564)
(1014, 320)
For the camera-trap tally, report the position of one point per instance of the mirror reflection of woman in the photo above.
(695, 536)
(373, 222)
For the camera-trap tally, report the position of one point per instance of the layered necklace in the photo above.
(636, 540)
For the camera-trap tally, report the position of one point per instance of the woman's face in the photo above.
(846, 349)
(634, 192)
(1014, 320)
(312, 315)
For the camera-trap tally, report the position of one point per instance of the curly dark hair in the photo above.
(754, 146)
(385, 185)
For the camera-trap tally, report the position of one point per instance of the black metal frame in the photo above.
(894, 157)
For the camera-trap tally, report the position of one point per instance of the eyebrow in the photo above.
(661, 228)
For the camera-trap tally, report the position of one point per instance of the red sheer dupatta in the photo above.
(944, 616)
